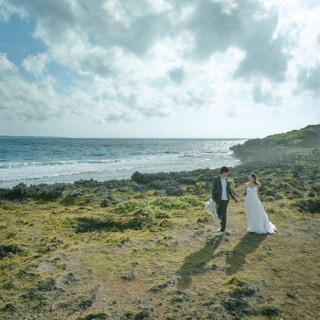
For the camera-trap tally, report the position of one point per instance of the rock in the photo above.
(144, 314)
(157, 185)
(128, 277)
(316, 187)
(234, 305)
(269, 311)
(87, 183)
(9, 307)
(243, 291)
(161, 215)
(96, 316)
(127, 315)
(46, 192)
(69, 279)
(70, 199)
(160, 286)
(86, 304)
(24, 273)
(144, 178)
(291, 295)
(172, 191)
(187, 180)
(105, 203)
(46, 285)
(16, 193)
(310, 206)
(10, 285)
(9, 250)
(270, 193)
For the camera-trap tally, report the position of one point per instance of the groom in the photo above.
(220, 195)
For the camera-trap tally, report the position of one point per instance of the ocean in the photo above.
(35, 160)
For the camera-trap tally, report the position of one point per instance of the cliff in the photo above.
(273, 146)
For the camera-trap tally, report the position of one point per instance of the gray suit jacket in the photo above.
(217, 190)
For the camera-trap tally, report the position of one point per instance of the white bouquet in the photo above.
(211, 208)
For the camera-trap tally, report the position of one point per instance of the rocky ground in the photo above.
(146, 248)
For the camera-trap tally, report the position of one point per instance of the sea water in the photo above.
(34, 160)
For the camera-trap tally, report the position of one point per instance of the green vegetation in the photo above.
(275, 146)
(306, 137)
(133, 252)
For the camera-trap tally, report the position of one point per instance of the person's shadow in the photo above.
(237, 257)
(195, 263)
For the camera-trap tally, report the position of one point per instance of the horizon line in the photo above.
(63, 137)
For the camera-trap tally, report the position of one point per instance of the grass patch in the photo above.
(143, 255)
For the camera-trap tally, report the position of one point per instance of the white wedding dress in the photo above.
(258, 221)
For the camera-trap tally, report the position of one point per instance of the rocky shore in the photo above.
(301, 163)
(145, 248)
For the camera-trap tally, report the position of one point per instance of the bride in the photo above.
(258, 221)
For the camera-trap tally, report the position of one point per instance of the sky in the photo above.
(158, 69)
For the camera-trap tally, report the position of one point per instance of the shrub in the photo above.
(17, 193)
(69, 200)
(7, 250)
(170, 203)
(127, 206)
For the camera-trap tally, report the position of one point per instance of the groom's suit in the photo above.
(221, 204)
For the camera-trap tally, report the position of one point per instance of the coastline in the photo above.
(63, 161)
(172, 183)
(116, 249)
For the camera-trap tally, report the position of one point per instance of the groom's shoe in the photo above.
(220, 233)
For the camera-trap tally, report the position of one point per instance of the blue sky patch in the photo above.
(16, 39)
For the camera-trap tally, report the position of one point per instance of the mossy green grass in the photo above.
(147, 255)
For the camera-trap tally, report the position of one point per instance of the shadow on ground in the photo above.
(237, 257)
(195, 263)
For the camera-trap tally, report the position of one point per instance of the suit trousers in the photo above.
(222, 214)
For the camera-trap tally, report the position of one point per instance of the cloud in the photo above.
(177, 75)
(116, 117)
(23, 100)
(90, 31)
(133, 26)
(214, 29)
(232, 112)
(248, 25)
(310, 3)
(121, 61)
(309, 80)
(265, 96)
(266, 60)
(6, 67)
(7, 9)
(35, 64)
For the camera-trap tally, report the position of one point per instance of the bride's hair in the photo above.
(254, 176)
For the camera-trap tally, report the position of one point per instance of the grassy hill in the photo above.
(307, 137)
(147, 249)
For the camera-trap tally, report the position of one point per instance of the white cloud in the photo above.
(25, 100)
(309, 80)
(35, 64)
(177, 75)
(7, 9)
(265, 96)
(144, 59)
(6, 67)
